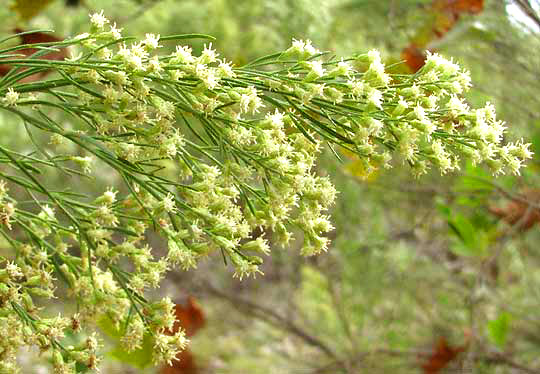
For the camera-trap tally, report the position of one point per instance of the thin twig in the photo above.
(272, 317)
(526, 7)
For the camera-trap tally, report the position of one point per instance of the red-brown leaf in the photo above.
(523, 213)
(460, 6)
(442, 355)
(36, 37)
(189, 317)
(414, 57)
(444, 16)
(185, 364)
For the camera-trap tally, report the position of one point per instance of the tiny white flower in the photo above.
(309, 49)
(49, 212)
(457, 106)
(374, 56)
(375, 97)
(357, 87)
(84, 162)
(226, 70)
(316, 68)
(12, 97)
(169, 203)
(208, 54)
(13, 270)
(154, 65)
(116, 33)
(98, 20)
(152, 41)
(298, 45)
(134, 62)
(183, 54)
(343, 68)
(276, 119)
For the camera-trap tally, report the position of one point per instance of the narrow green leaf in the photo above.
(186, 36)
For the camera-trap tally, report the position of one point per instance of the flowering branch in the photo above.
(207, 153)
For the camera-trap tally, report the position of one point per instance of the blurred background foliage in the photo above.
(440, 273)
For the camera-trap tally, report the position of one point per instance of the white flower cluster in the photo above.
(212, 157)
(421, 119)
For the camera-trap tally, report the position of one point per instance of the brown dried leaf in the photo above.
(185, 364)
(444, 16)
(523, 213)
(189, 317)
(442, 355)
(36, 37)
(460, 6)
(414, 57)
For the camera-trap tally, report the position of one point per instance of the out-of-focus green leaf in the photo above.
(471, 239)
(477, 32)
(476, 178)
(27, 9)
(498, 329)
(140, 358)
(106, 325)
